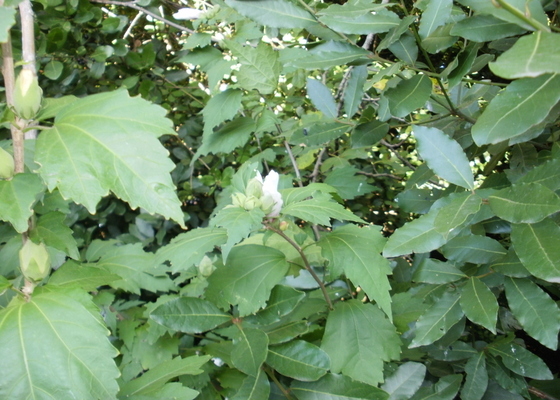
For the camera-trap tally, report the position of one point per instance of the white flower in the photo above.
(271, 199)
(188, 13)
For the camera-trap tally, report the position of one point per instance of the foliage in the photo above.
(409, 250)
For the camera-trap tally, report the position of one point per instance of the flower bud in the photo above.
(238, 199)
(34, 261)
(251, 202)
(283, 225)
(6, 164)
(254, 188)
(205, 268)
(27, 94)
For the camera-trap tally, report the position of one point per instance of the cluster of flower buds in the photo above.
(261, 194)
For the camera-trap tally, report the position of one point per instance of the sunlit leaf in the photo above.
(319, 211)
(370, 339)
(409, 95)
(250, 273)
(524, 203)
(355, 90)
(366, 23)
(437, 272)
(322, 98)
(356, 252)
(109, 142)
(318, 134)
(535, 310)
(80, 358)
(531, 56)
(437, 13)
(444, 156)
(457, 212)
(329, 54)
(274, 13)
(522, 105)
(17, 197)
(482, 28)
(473, 248)
(221, 107)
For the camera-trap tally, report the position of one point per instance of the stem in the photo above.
(28, 47)
(294, 162)
(305, 261)
(519, 14)
(270, 372)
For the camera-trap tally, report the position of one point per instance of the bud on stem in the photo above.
(27, 94)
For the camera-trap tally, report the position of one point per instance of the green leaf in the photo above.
(295, 195)
(51, 230)
(437, 272)
(254, 388)
(260, 67)
(250, 348)
(445, 389)
(437, 13)
(318, 134)
(531, 56)
(477, 378)
(532, 8)
(405, 48)
(547, 174)
(7, 20)
(524, 203)
(521, 361)
(329, 54)
(250, 273)
(439, 318)
(284, 332)
(155, 378)
(239, 223)
(274, 13)
(440, 39)
(485, 28)
(109, 142)
(17, 197)
(535, 310)
(221, 107)
(86, 277)
(457, 212)
(369, 133)
(355, 90)
(522, 105)
(189, 314)
(80, 358)
(479, 304)
(369, 340)
(381, 21)
(320, 211)
(405, 381)
(444, 156)
(474, 249)
(135, 266)
(283, 300)
(337, 387)
(356, 252)
(188, 248)
(409, 95)
(299, 360)
(230, 136)
(348, 183)
(417, 236)
(53, 70)
(537, 248)
(322, 98)
(510, 265)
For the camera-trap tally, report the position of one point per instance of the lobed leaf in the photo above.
(17, 197)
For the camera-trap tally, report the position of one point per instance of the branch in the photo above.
(305, 262)
(372, 175)
(294, 162)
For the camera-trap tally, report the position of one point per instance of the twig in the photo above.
(294, 162)
(132, 4)
(392, 149)
(372, 175)
(315, 174)
(272, 376)
(305, 261)
(540, 393)
(133, 24)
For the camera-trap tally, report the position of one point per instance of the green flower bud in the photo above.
(27, 94)
(205, 268)
(6, 164)
(238, 199)
(254, 188)
(34, 261)
(283, 225)
(251, 202)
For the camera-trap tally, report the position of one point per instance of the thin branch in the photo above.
(133, 24)
(270, 372)
(305, 261)
(396, 153)
(315, 174)
(372, 175)
(539, 393)
(294, 162)
(132, 4)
